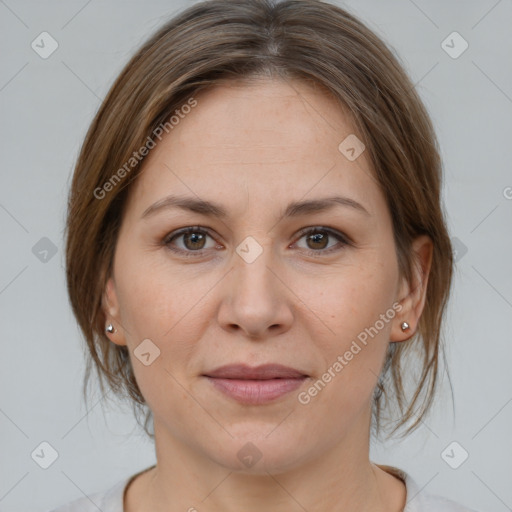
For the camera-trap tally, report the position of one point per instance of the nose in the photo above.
(255, 298)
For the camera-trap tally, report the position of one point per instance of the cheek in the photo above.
(356, 306)
(166, 307)
(154, 296)
(351, 298)
(153, 310)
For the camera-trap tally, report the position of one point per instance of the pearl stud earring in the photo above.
(110, 329)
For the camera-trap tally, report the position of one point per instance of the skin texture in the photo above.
(255, 147)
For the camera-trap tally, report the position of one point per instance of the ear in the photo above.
(412, 295)
(110, 306)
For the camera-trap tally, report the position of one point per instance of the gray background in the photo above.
(46, 106)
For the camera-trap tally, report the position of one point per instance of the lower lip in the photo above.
(256, 391)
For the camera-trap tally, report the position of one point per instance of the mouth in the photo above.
(256, 385)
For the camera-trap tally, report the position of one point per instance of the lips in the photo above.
(255, 385)
(263, 372)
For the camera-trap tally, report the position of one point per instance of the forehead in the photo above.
(264, 114)
(254, 139)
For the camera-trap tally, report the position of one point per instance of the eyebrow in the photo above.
(212, 209)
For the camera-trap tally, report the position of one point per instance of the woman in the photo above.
(255, 246)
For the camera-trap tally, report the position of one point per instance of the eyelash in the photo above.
(308, 231)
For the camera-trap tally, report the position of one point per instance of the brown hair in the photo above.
(219, 40)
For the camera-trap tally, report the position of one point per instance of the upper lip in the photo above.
(262, 372)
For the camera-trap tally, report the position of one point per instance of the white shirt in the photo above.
(417, 500)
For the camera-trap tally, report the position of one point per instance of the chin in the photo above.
(259, 451)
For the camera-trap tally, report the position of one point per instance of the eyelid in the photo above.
(332, 231)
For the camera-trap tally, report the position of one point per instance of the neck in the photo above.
(343, 478)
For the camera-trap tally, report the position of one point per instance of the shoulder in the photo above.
(419, 500)
(109, 500)
(432, 502)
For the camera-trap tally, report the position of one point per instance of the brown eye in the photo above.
(317, 241)
(194, 240)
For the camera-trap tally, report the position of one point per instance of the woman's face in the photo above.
(249, 287)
